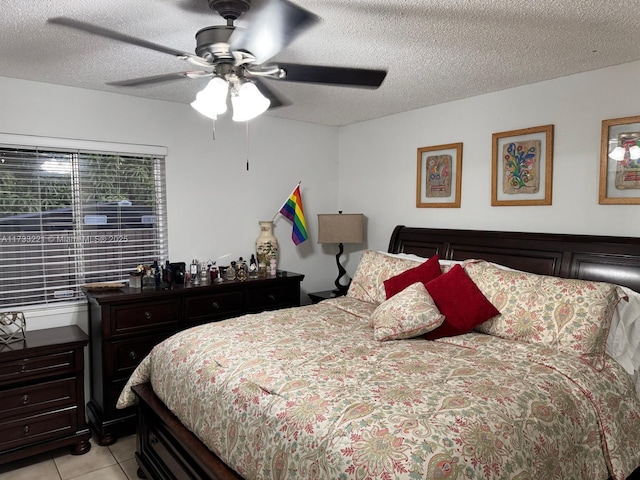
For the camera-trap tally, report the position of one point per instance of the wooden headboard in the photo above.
(587, 257)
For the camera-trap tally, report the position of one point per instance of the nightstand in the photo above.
(323, 295)
(42, 394)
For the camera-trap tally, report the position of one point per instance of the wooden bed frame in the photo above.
(166, 449)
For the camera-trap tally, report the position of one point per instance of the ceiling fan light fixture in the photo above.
(248, 102)
(212, 99)
(204, 109)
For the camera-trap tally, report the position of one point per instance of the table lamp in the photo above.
(340, 228)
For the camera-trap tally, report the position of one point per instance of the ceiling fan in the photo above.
(237, 59)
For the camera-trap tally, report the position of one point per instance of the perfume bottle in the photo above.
(157, 274)
(148, 280)
(204, 273)
(230, 272)
(253, 267)
(241, 269)
(214, 274)
(272, 267)
(193, 272)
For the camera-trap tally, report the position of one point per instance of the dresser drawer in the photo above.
(127, 354)
(213, 306)
(36, 428)
(51, 395)
(269, 298)
(35, 367)
(139, 317)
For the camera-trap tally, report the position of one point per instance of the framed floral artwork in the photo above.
(620, 161)
(522, 167)
(439, 176)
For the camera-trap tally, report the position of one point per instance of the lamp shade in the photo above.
(340, 228)
(212, 100)
(248, 103)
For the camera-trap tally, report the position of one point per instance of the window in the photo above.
(74, 216)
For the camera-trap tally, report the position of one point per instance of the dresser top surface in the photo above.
(127, 293)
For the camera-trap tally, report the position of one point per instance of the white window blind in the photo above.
(69, 217)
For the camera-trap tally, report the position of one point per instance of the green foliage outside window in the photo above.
(109, 178)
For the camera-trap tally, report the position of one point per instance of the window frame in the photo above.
(152, 156)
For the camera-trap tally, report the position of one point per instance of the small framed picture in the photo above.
(522, 167)
(620, 161)
(439, 176)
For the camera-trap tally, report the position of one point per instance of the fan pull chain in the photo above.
(247, 145)
(213, 129)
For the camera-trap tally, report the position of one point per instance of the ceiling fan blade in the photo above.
(196, 6)
(272, 25)
(342, 76)
(121, 37)
(276, 99)
(166, 77)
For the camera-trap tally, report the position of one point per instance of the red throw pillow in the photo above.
(460, 301)
(425, 272)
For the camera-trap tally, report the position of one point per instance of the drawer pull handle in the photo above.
(147, 315)
(25, 399)
(215, 305)
(132, 355)
(23, 368)
(272, 297)
(25, 430)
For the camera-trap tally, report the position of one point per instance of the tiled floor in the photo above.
(115, 462)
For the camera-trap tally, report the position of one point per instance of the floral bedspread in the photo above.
(308, 393)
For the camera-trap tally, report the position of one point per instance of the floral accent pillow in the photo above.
(407, 314)
(570, 315)
(374, 268)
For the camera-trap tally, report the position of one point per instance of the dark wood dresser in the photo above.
(125, 324)
(42, 394)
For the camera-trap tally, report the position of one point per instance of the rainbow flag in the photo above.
(292, 209)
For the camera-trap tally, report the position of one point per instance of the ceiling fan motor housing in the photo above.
(213, 41)
(230, 9)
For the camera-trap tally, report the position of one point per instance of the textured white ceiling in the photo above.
(435, 51)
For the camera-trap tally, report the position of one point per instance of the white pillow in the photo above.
(418, 258)
(623, 342)
(405, 256)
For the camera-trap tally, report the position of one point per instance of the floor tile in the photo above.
(112, 472)
(116, 462)
(72, 466)
(27, 470)
(130, 468)
(124, 448)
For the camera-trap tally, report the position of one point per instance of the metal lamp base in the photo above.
(340, 288)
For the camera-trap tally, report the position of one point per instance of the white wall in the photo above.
(378, 159)
(214, 203)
